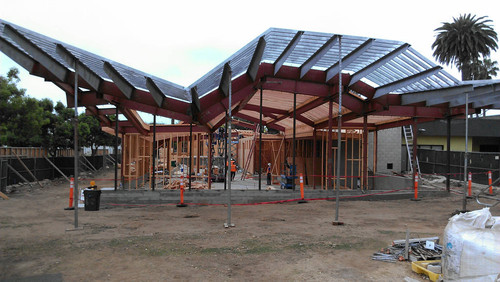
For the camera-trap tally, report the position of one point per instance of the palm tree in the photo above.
(485, 69)
(464, 41)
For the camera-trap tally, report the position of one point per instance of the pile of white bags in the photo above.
(471, 249)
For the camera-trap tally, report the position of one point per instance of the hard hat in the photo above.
(269, 164)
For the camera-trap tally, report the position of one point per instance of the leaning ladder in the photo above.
(249, 157)
(408, 132)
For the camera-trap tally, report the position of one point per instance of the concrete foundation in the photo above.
(138, 197)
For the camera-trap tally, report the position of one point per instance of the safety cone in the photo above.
(302, 200)
(71, 189)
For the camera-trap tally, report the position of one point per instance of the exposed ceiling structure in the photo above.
(387, 81)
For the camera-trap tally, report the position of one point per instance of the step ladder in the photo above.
(250, 153)
(408, 132)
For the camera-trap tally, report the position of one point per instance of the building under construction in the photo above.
(325, 96)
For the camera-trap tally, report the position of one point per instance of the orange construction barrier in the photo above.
(71, 190)
(301, 201)
(489, 182)
(469, 193)
(415, 186)
(181, 204)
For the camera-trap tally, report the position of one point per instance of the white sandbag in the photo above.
(471, 247)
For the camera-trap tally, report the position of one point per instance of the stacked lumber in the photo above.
(196, 185)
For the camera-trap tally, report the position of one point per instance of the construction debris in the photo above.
(419, 249)
(196, 185)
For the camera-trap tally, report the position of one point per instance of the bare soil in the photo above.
(280, 242)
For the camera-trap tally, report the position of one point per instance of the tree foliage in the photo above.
(28, 122)
(464, 42)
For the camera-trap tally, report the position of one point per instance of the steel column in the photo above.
(448, 152)
(226, 159)
(314, 158)
(364, 185)
(209, 173)
(116, 148)
(260, 140)
(228, 146)
(76, 195)
(339, 136)
(190, 170)
(294, 168)
(466, 155)
(153, 165)
(329, 162)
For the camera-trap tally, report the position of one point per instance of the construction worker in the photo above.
(233, 169)
(269, 174)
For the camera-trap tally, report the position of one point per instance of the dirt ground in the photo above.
(280, 242)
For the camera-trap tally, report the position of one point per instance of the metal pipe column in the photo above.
(228, 147)
(76, 195)
(314, 158)
(190, 170)
(364, 184)
(260, 140)
(448, 152)
(466, 155)
(339, 135)
(116, 148)
(294, 169)
(329, 144)
(153, 165)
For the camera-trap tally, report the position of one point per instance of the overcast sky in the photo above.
(182, 40)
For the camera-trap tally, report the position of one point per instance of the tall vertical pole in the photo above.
(209, 173)
(364, 184)
(226, 159)
(116, 148)
(314, 158)
(260, 140)
(339, 135)
(466, 155)
(294, 168)
(448, 152)
(228, 146)
(76, 196)
(190, 153)
(329, 145)
(153, 165)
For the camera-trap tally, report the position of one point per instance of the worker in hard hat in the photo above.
(269, 174)
(233, 167)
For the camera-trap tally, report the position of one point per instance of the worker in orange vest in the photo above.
(233, 169)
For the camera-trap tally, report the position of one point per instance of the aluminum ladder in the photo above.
(408, 132)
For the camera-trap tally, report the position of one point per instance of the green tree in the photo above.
(91, 134)
(464, 41)
(484, 69)
(21, 117)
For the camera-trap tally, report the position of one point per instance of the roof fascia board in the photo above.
(378, 63)
(83, 71)
(253, 67)
(307, 65)
(16, 55)
(347, 60)
(385, 89)
(288, 50)
(56, 68)
(155, 91)
(225, 80)
(441, 94)
(125, 87)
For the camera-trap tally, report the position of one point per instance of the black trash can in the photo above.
(92, 199)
